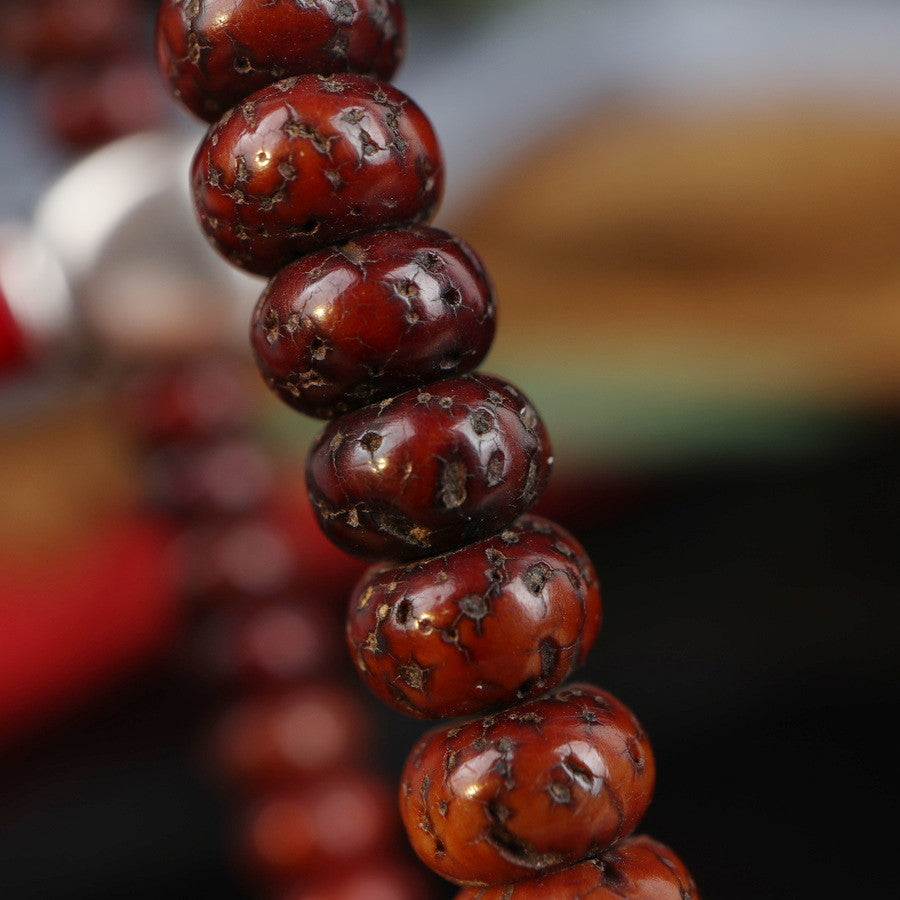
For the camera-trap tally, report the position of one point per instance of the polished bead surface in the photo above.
(311, 161)
(497, 622)
(638, 868)
(385, 313)
(300, 734)
(429, 470)
(215, 53)
(532, 789)
(319, 828)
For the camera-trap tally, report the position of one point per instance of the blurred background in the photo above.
(691, 212)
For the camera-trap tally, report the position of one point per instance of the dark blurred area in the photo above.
(704, 302)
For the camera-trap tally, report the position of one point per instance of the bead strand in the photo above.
(324, 180)
(289, 741)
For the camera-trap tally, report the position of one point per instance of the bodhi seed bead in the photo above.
(637, 868)
(529, 790)
(386, 313)
(499, 621)
(215, 53)
(430, 470)
(312, 161)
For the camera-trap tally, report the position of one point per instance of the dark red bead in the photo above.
(389, 312)
(305, 733)
(637, 868)
(312, 161)
(322, 827)
(529, 790)
(215, 53)
(502, 620)
(429, 470)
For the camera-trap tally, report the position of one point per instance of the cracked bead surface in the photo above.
(638, 868)
(386, 313)
(312, 161)
(215, 53)
(431, 470)
(529, 790)
(499, 621)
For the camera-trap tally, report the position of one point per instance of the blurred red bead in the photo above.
(386, 313)
(638, 868)
(429, 470)
(338, 821)
(304, 733)
(86, 105)
(312, 161)
(215, 53)
(274, 644)
(39, 32)
(249, 560)
(194, 400)
(500, 621)
(373, 880)
(223, 478)
(528, 790)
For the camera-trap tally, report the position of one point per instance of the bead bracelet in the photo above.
(320, 175)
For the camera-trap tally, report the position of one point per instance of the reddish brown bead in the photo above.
(638, 868)
(305, 733)
(333, 822)
(215, 53)
(501, 620)
(312, 161)
(389, 312)
(430, 470)
(531, 789)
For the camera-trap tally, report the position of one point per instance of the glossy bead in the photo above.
(320, 828)
(215, 53)
(311, 161)
(530, 789)
(499, 621)
(386, 313)
(637, 868)
(429, 470)
(304, 733)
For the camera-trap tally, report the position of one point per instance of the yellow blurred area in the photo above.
(746, 257)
